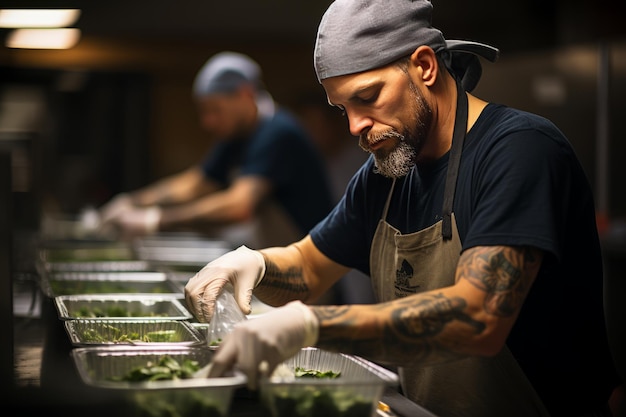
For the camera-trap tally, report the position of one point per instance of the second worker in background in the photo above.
(262, 184)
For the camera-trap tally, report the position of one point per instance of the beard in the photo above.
(398, 161)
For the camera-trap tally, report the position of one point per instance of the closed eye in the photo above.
(367, 100)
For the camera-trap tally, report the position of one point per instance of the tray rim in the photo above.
(174, 299)
(235, 380)
(69, 325)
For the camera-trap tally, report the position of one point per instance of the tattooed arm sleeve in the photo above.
(472, 317)
(297, 272)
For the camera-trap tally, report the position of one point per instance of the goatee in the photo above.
(398, 161)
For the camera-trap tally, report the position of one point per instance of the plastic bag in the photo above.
(227, 314)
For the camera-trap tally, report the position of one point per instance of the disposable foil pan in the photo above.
(354, 392)
(99, 367)
(74, 283)
(149, 333)
(121, 307)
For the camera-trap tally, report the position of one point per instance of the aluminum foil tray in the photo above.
(99, 332)
(355, 392)
(98, 367)
(124, 306)
(97, 266)
(178, 250)
(74, 283)
(75, 252)
(181, 255)
(176, 239)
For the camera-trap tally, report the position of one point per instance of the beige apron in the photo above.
(402, 265)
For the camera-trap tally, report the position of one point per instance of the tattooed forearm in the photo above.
(427, 318)
(502, 272)
(410, 330)
(279, 286)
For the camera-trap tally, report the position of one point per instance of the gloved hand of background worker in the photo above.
(243, 268)
(115, 207)
(258, 345)
(137, 221)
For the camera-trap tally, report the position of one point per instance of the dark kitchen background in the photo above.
(115, 112)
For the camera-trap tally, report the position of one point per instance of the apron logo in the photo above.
(403, 275)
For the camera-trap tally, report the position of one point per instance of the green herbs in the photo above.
(73, 287)
(165, 368)
(111, 334)
(314, 402)
(176, 403)
(112, 311)
(312, 373)
(170, 403)
(317, 400)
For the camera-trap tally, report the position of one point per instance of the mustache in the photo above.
(366, 139)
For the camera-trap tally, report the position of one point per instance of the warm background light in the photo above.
(38, 18)
(43, 38)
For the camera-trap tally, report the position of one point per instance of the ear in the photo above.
(424, 60)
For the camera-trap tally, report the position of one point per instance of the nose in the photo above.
(359, 124)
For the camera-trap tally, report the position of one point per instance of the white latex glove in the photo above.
(258, 345)
(139, 221)
(243, 268)
(115, 207)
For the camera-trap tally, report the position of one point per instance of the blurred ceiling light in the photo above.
(43, 38)
(38, 18)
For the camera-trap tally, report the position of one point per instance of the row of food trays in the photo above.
(133, 335)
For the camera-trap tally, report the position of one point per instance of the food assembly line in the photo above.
(120, 340)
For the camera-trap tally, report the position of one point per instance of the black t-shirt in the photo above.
(519, 183)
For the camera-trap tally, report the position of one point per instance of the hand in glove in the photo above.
(139, 221)
(115, 207)
(258, 345)
(243, 268)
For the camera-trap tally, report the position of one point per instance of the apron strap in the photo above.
(458, 137)
(388, 202)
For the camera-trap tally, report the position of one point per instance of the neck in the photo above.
(445, 116)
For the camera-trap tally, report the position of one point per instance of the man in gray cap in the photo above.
(474, 221)
(262, 184)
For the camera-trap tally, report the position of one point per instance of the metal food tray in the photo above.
(180, 250)
(178, 240)
(86, 252)
(356, 391)
(196, 397)
(97, 266)
(181, 255)
(99, 332)
(74, 283)
(120, 306)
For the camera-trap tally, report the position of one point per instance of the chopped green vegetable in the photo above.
(166, 368)
(313, 373)
(181, 403)
(314, 402)
(72, 287)
(112, 334)
(112, 311)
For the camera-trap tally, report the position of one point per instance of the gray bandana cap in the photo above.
(360, 35)
(225, 72)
